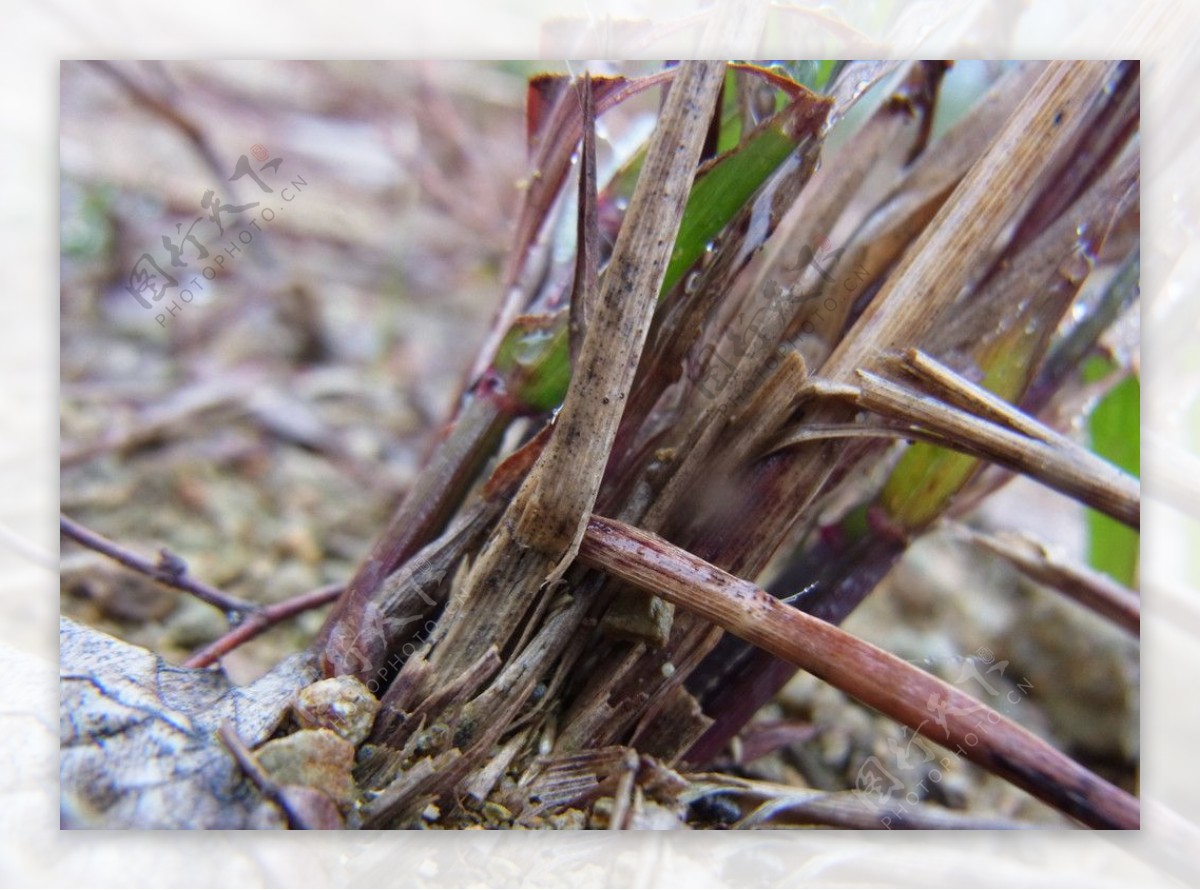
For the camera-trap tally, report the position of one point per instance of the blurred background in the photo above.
(264, 414)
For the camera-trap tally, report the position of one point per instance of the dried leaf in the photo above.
(138, 736)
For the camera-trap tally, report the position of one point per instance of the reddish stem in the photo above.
(261, 620)
(169, 570)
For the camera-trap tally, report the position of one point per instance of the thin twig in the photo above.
(262, 620)
(783, 805)
(169, 571)
(29, 551)
(877, 678)
(305, 808)
(623, 796)
(422, 514)
(167, 111)
(971, 397)
(1014, 439)
(1091, 589)
(1061, 464)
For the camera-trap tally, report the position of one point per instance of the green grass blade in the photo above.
(533, 358)
(1115, 430)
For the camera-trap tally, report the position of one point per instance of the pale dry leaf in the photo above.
(138, 736)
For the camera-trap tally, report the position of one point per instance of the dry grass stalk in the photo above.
(1092, 589)
(866, 672)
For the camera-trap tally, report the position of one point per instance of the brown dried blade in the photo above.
(587, 249)
(754, 332)
(538, 536)
(879, 679)
(899, 219)
(1050, 457)
(420, 516)
(1092, 589)
(942, 263)
(687, 309)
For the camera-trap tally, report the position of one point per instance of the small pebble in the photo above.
(341, 704)
(316, 758)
